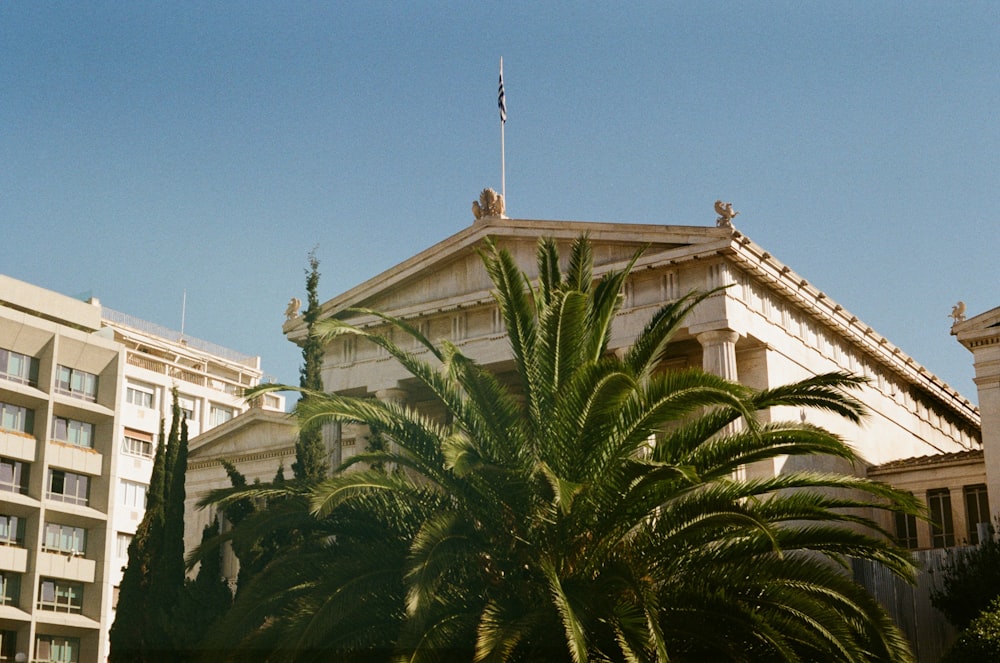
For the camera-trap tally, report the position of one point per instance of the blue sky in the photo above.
(148, 149)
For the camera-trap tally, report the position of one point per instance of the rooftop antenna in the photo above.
(184, 302)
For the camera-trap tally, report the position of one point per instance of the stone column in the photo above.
(392, 395)
(718, 348)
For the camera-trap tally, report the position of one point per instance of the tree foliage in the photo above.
(590, 509)
(152, 585)
(310, 453)
(970, 582)
(980, 641)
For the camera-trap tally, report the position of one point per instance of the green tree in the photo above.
(153, 581)
(310, 452)
(970, 581)
(980, 641)
(205, 599)
(590, 510)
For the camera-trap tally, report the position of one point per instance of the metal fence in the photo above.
(910, 607)
(124, 319)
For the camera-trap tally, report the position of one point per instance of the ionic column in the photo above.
(718, 348)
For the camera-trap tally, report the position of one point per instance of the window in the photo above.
(977, 510)
(16, 418)
(60, 595)
(219, 414)
(18, 367)
(8, 645)
(942, 525)
(10, 588)
(136, 443)
(11, 530)
(56, 649)
(77, 433)
(68, 487)
(76, 383)
(122, 543)
(132, 494)
(188, 407)
(139, 394)
(906, 530)
(13, 476)
(64, 538)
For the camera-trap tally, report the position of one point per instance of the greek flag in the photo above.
(501, 101)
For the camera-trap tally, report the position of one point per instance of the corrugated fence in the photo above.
(910, 605)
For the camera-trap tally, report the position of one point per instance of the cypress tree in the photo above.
(144, 630)
(132, 629)
(206, 598)
(310, 453)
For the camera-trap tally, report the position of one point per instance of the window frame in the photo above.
(942, 518)
(9, 524)
(10, 588)
(144, 393)
(27, 372)
(69, 425)
(981, 506)
(19, 472)
(66, 479)
(67, 649)
(66, 595)
(76, 383)
(77, 538)
(22, 418)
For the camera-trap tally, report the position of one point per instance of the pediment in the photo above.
(254, 430)
(451, 272)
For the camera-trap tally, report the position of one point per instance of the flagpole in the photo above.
(502, 103)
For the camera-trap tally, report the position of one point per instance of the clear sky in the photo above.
(148, 149)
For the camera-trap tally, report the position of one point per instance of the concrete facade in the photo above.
(769, 327)
(82, 393)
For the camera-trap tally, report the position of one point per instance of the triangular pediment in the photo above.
(451, 272)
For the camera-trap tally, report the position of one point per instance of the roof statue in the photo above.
(292, 311)
(490, 203)
(958, 313)
(726, 214)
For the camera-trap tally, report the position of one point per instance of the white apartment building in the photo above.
(82, 393)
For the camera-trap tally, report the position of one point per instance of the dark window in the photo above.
(906, 530)
(8, 645)
(977, 510)
(10, 588)
(942, 523)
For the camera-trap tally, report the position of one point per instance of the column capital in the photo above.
(714, 336)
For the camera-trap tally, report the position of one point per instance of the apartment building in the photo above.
(82, 392)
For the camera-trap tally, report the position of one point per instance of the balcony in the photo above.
(71, 566)
(14, 559)
(17, 445)
(73, 458)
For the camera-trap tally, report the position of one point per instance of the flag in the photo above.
(501, 101)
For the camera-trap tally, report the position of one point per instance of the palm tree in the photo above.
(590, 511)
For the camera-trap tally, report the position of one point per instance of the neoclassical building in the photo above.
(769, 327)
(981, 336)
